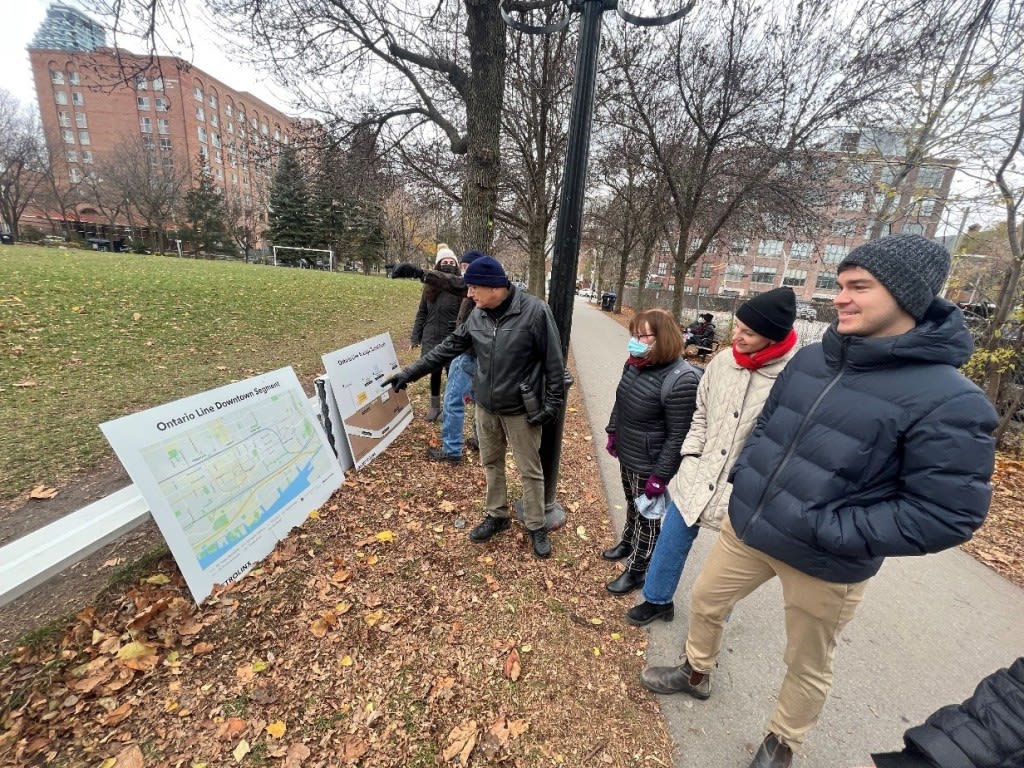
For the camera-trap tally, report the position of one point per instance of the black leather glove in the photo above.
(544, 416)
(397, 381)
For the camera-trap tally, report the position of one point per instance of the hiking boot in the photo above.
(541, 542)
(434, 412)
(643, 614)
(772, 754)
(681, 679)
(438, 454)
(489, 528)
(626, 583)
(473, 444)
(620, 551)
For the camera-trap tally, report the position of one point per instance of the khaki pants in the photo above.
(496, 433)
(816, 611)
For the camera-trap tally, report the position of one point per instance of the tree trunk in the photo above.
(485, 30)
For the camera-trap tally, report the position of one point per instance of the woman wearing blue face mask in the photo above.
(645, 431)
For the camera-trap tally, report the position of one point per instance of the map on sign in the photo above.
(229, 472)
(372, 416)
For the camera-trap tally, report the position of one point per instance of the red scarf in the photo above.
(639, 362)
(773, 351)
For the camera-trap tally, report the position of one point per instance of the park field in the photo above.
(90, 336)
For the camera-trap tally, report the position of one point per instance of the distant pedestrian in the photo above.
(435, 317)
(871, 444)
(519, 386)
(729, 400)
(645, 431)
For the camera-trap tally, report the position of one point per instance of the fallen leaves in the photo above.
(513, 666)
(41, 491)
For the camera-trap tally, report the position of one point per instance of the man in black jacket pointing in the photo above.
(519, 386)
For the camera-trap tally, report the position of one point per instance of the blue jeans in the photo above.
(460, 383)
(670, 553)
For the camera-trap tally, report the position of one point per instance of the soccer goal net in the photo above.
(304, 258)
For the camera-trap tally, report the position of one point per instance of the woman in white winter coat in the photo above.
(729, 400)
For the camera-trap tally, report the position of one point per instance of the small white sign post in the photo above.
(228, 473)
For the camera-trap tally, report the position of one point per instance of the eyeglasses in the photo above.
(643, 335)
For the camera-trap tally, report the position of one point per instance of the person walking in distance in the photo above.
(436, 316)
(519, 386)
(729, 400)
(871, 444)
(645, 431)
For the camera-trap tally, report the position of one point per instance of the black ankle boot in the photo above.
(626, 583)
(643, 614)
(620, 551)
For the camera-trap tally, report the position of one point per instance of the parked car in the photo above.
(6, 238)
(806, 312)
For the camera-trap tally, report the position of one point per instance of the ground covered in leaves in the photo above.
(375, 635)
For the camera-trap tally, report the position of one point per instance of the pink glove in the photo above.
(654, 487)
(610, 446)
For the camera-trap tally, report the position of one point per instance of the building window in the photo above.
(147, 142)
(202, 134)
(844, 227)
(146, 124)
(217, 157)
(204, 152)
(212, 101)
(80, 120)
(800, 251)
(826, 280)
(929, 177)
(228, 110)
(770, 249)
(162, 105)
(69, 136)
(219, 173)
(834, 254)
(168, 163)
(734, 272)
(214, 120)
(77, 98)
(763, 275)
(253, 123)
(851, 201)
(860, 173)
(277, 134)
(142, 102)
(707, 271)
(140, 83)
(56, 77)
(229, 126)
(163, 125)
(888, 175)
(87, 157)
(61, 97)
(739, 247)
(879, 201)
(165, 144)
(83, 137)
(263, 129)
(234, 178)
(816, 198)
(74, 78)
(72, 156)
(215, 138)
(200, 115)
(794, 278)
(75, 175)
(197, 93)
(64, 119)
(926, 206)
(158, 83)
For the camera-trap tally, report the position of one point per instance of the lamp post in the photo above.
(565, 259)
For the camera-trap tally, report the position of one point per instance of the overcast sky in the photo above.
(20, 27)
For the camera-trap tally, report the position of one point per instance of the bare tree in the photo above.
(22, 160)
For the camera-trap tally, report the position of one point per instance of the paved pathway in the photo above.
(929, 627)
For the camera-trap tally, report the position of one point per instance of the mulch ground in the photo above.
(376, 634)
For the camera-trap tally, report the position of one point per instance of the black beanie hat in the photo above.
(770, 314)
(911, 268)
(470, 256)
(486, 271)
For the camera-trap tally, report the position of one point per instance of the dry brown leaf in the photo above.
(115, 716)
(42, 492)
(130, 757)
(513, 666)
(200, 648)
(241, 750)
(461, 740)
(353, 749)
(297, 753)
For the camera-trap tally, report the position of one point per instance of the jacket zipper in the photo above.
(796, 438)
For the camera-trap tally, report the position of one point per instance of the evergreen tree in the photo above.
(207, 214)
(289, 222)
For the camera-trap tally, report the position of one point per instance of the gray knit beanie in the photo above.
(912, 268)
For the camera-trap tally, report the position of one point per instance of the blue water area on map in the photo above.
(223, 545)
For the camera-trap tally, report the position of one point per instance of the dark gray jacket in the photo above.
(522, 346)
(868, 447)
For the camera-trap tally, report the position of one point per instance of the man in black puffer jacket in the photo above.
(870, 444)
(986, 731)
(519, 386)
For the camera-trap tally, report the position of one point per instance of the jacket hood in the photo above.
(941, 337)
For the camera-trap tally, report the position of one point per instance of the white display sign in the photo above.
(228, 473)
(372, 416)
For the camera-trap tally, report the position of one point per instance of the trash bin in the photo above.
(607, 301)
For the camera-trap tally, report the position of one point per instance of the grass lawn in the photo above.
(91, 336)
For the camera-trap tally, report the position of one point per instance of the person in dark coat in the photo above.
(435, 318)
(986, 731)
(702, 332)
(870, 444)
(645, 432)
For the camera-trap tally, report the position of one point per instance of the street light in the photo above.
(565, 259)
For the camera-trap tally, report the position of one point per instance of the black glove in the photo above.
(544, 416)
(397, 381)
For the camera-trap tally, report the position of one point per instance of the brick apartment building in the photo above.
(95, 100)
(853, 177)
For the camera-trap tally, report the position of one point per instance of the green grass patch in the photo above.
(87, 337)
